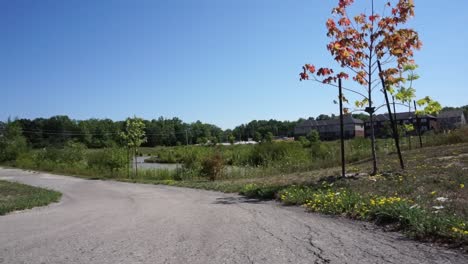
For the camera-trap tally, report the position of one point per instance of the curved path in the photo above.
(113, 222)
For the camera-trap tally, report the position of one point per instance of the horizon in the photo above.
(331, 115)
(221, 63)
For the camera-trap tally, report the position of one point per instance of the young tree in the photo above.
(257, 137)
(313, 136)
(134, 136)
(359, 42)
(268, 137)
(231, 139)
(405, 95)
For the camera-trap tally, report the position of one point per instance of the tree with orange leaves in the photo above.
(359, 42)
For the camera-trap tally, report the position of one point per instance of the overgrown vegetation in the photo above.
(16, 196)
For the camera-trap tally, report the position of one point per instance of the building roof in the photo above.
(401, 116)
(450, 113)
(347, 119)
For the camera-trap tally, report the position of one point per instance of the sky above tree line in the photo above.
(222, 62)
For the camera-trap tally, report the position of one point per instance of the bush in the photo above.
(73, 152)
(259, 191)
(26, 160)
(212, 166)
(109, 160)
(191, 161)
(264, 154)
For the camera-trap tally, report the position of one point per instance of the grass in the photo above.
(16, 196)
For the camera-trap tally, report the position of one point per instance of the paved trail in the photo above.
(111, 222)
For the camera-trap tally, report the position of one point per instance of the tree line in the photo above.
(100, 133)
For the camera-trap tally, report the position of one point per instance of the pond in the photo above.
(168, 166)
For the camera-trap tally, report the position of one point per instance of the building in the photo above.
(383, 128)
(330, 129)
(451, 119)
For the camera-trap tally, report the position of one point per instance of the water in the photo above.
(174, 166)
(167, 166)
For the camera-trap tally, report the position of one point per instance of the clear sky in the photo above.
(224, 62)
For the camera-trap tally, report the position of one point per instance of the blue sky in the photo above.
(224, 62)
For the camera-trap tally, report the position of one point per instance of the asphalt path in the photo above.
(114, 222)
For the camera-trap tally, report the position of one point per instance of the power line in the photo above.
(71, 133)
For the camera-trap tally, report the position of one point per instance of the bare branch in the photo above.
(376, 84)
(344, 88)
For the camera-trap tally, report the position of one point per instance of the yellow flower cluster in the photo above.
(386, 200)
(284, 195)
(340, 201)
(460, 230)
(323, 199)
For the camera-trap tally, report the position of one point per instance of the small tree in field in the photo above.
(405, 94)
(134, 136)
(268, 137)
(360, 42)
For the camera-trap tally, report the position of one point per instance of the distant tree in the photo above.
(202, 140)
(12, 142)
(268, 137)
(313, 136)
(134, 136)
(323, 117)
(231, 139)
(361, 116)
(257, 137)
(214, 140)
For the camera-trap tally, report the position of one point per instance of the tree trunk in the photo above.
(343, 169)
(374, 155)
(371, 109)
(136, 163)
(409, 134)
(128, 162)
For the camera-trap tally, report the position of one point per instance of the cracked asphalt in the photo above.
(113, 222)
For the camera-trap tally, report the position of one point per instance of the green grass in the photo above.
(16, 196)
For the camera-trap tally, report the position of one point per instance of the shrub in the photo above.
(26, 160)
(252, 190)
(263, 154)
(109, 160)
(313, 136)
(191, 161)
(73, 152)
(304, 141)
(213, 166)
